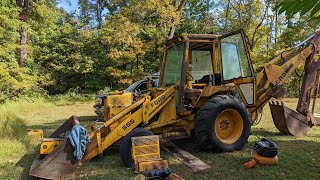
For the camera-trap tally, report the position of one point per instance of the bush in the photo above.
(107, 89)
(16, 82)
(11, 126)
(14, 142)
(69, 98)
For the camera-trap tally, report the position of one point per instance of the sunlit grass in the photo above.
(298, 156)
(16, 149)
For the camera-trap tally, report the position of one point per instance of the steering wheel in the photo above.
(188, 74)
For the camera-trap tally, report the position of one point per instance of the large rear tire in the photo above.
(223, 124)
(126, 145)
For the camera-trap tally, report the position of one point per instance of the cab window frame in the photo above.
(211, 44)
(241, 32)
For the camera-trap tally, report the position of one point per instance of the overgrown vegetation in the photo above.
(16, 149)
(46, 50)
(13, 141)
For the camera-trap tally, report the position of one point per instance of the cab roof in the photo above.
(210, 36)
(183, 37)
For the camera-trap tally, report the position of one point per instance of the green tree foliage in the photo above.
(72, 59)
(135, 34)
(109, 43)
(292, 7)
(9, 31)
(16, 81)
(198, 18)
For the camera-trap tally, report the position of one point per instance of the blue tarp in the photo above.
(79, 138)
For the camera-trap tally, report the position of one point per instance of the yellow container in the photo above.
(35, 133)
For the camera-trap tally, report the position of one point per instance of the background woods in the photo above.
(46, 50)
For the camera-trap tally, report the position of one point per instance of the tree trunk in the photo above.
(268, 34)
(227, 14)
(100, 8)
(137, 56)
(25, 6)
(173, 27)
(171, 33)
(275, 30)
(23, 49)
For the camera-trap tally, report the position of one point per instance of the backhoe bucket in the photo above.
(287, 120)
(60, 163)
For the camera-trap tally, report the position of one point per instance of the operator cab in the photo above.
(200, 65)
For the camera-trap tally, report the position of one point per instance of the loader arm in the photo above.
(60, 163)
(145, 109)
(271, 79)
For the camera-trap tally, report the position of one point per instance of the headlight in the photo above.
(98, 102)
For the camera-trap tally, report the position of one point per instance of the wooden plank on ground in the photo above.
(188, 159)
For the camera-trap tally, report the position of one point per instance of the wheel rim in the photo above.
(228, 126)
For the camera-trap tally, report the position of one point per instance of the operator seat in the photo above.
(207, 79)
(210, 79)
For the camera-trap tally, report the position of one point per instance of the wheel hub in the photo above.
(228, 126)
(224, 125)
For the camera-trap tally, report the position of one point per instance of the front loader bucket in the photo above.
(287, 120)
(60, 163)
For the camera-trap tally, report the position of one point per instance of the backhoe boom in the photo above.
(274, 74)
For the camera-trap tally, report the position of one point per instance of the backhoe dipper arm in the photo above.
(310, 81)
(275, 73)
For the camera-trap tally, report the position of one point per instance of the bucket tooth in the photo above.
(287, 120)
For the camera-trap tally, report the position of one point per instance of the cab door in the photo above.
(236, 66)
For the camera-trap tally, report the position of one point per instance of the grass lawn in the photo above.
(298, 157)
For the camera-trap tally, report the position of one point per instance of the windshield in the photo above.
(235, 63)
(173, 65)
(132, 86)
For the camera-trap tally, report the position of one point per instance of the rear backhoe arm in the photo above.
(310, 83)
(275, 73)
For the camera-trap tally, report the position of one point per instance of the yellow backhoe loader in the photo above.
(207, 86)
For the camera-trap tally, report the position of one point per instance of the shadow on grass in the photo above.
(25, 162)
(87, 119)
(50, 127)
(264, 132)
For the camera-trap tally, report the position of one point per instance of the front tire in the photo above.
(223, 124)
(126, 145)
